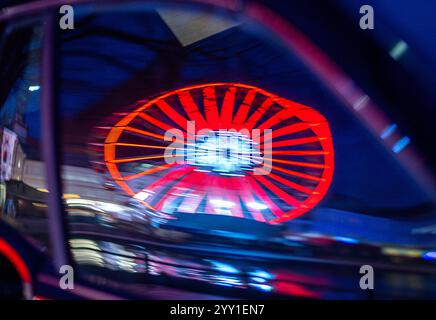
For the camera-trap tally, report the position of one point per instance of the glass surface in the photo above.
(23, 181)
(129, 75)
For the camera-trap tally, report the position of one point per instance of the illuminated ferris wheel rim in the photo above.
(282, 101)
(304, 113)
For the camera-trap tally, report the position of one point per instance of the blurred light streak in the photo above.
(263, 287)
(398, 50)
(388, 131)
(39, 205)
(141, 195)
(222, 203)
(261, 274)
(403, 252)
(430, 255)
(257, 205)
(70, 196)
(84, 243)
(346, 240)
(294, 290)
(257, 279)
(360, 103)
(400, 144)
(223, 267)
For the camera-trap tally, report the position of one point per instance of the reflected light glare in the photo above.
(361, 102)
(227, 281)
(398, 50)
(262, 274)
(223, 151)
(223, 267)
(39, 205)
(70, 196)
(257, 205)
(346, 240)
(430, 255)
(96, 205)
(388, 131)
(141, 195)
(34, 88)
(401, 144)
(111, 207)
(404, 252)
(85, 256)
(263, 287)
(84, 244)
(222, 203)
(257, 279)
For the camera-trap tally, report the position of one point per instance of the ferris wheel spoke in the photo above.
(125, 160)
(291, 129)
(297, 152)
(287, 182)
(227, 107)
(154, 121)
(294, 173)
(191, 109)
(242, 112)
(257, 115)
(272, 121)
(295, 142)
(161, 182)
(145, 133)
(277, 191)
(302, 164)
(211, 108)
(147, 146)
(145, 172)
(172, 114)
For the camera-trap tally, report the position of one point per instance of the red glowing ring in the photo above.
(294, 182)
(19, 264)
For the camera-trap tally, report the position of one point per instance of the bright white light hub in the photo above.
(223, 151)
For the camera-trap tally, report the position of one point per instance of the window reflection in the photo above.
(22, 179)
